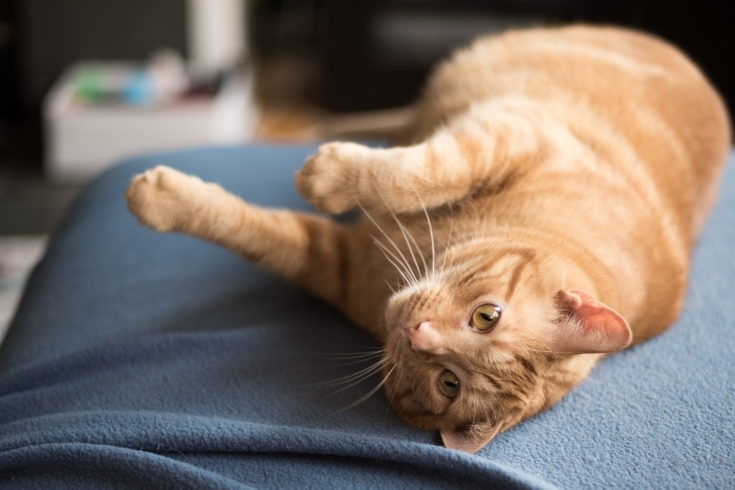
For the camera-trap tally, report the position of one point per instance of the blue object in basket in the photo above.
(138, 89)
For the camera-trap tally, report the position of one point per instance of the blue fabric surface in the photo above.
(142, 360)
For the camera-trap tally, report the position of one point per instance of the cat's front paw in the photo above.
(329, 180)
(162, 198)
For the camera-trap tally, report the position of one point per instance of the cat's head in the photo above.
(489, 341)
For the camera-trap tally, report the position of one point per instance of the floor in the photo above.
(18, 255)
(32, 206)
(30, 209)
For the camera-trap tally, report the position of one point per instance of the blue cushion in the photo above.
(145, 360)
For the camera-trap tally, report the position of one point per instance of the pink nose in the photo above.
(420, 337)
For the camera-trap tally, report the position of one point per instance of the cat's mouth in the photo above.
(398, 327)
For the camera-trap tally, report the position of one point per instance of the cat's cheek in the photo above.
(394, 314)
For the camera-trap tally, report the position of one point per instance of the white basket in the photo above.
(83, 139)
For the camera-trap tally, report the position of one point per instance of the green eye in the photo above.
(485, 317)
(448, 384)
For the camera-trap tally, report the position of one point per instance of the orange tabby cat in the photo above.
(541, 214)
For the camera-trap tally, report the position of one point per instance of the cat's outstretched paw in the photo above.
(163, 198)
(330, 179)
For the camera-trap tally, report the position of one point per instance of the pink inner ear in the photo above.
(598, 328)
(469, 440)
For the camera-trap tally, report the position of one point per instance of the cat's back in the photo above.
(630, 98)
(626, 78)
(635, 135)
(601, 65)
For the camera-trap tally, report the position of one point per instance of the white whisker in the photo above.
(341, 364)
(405, 234)
(356, 358)
(431, 232)
(395, 261)
(390, 240)
(353, 379)
(449, 240)
(354, 355)
(369, 394)
(398, 383)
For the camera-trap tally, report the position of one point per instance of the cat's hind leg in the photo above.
(305, 249)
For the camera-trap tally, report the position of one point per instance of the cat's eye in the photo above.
(448, 384)
(485, 317)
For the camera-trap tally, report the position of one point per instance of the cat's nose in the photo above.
(421, 337)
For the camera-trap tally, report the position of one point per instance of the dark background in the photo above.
(339, 55)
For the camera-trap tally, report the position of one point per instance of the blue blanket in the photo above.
(140, 360)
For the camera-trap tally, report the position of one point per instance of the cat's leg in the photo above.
(305, 249)
(449, 166)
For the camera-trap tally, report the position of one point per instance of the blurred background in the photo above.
(84, 83)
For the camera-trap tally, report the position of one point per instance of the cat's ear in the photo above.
(591, 326)
(469, 439)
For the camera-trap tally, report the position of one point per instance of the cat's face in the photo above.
(468, 345)
(476, 349)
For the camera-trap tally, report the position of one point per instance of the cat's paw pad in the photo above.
(329, 180)
(161, 197)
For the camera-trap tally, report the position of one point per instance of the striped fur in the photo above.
(561, 174)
